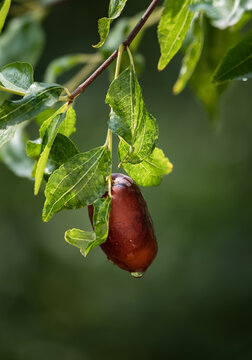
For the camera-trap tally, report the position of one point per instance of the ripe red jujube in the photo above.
(131, 243)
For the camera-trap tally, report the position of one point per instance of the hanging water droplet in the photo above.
(244, 79)
(137, 274)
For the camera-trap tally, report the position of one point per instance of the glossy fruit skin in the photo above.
(131, 243)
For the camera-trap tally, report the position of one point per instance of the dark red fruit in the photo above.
(131, 242)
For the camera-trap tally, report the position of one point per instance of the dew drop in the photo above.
(244, 79)
(137, 274)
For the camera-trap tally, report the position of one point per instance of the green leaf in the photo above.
(191, 57)
(174, 23)
(6, 135)
(48, 133)
(79, 182)
(39, 97)
(67, 128)
(150, 171)
(63, 149)
(80, 238)
(33, 148)
(14, 156)
(115, 9)
(22, 40)
(237, 63)
(129, 118)
(4, 9)
(87, 240)
(17, 76)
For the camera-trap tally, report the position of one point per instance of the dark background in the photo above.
(195, 300)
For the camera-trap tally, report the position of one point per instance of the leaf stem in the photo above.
(109, 134)
(82, 87)
(131, 59)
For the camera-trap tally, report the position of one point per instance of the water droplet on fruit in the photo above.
(137, 274)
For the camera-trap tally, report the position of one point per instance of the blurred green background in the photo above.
(194, 302)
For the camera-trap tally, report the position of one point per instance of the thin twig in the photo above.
(82, 87)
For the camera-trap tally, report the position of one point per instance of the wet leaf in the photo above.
(79, 182)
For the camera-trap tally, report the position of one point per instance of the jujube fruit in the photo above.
(131, 243)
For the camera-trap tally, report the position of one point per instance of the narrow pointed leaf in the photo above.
(17, 76)
(115, 9)
(15, 112)
(47, 142)
(4, 9)
(79, 182)
(150, 171)
(237, 63)
(173, 26)
(191, 57)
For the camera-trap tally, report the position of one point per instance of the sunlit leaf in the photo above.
(237, 63)
(17, 76)
(39, 97)
(79, 182)
(115, 9)
(33, 148)
(87, 240)
(48, 138)
(173, 26)
(67, 128)
(150, 171)
(191, 56)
